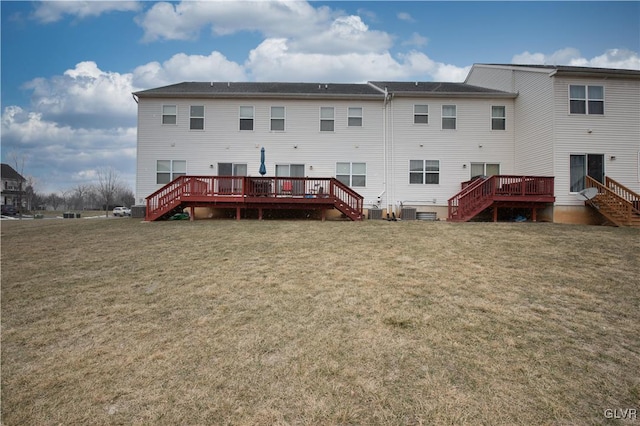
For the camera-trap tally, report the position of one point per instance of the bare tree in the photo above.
(55, 200)
(80, 193)
(108, 186)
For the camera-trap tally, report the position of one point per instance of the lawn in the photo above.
(306, 322)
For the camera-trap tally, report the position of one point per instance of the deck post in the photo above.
(533, 214)
(259, 213)
(238, 213)
(192, 213)
(495, 213)
(324, 214)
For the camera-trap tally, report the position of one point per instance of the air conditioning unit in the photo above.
(375, 214)
(408, 213)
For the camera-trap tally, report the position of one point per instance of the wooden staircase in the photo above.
(618, 204)
(241, 192)
(531, 192)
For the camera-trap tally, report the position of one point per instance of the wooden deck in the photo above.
(501, 191)
(241, 193)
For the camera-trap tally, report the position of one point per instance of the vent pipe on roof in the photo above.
(228, 84)
(212, 84)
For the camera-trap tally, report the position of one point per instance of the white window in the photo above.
(196, 117)
(246, 118)
(484, 169)
(169, 114)
(586, 99)
(290, 170)
(327, 123)
(168, 170)
(449, 117)
(277, 119)
(355, 117)
(498, 118)
(352, 174)
(424, 172)
(421, 114)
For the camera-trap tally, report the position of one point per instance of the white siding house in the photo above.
(600, 133)
(401, 143)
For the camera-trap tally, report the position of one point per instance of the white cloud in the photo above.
(346, 34)
(85, 94)
(58, 153)
(612, 58)
(52, 11)
(404, 16)
(182, 67)
(273, 61)
(416, 40)
(278, 18)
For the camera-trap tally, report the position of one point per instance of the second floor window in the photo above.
(421, 114)
(355, 117)
(196, 117)
(449, 117)
(246, 118)
(586, 99)
(327, 123)
(277, 119)
(169, 114)
(498, 118)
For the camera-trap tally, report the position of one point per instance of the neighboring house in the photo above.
(13, 186)
(400, 143)
(571, 122)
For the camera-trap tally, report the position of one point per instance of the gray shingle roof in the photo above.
(577, 71)
(253, 89)
(9, 172)
(430, 88)
(317, 90)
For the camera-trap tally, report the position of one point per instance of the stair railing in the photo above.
(624, 192)
(470, 198)
(619, 208)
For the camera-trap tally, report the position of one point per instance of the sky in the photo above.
(68, 69)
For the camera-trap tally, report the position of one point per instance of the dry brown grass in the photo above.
(304, 322)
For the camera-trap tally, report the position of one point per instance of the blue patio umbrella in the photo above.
(263, 168)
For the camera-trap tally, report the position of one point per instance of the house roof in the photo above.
(266, 90)
(374, 90)
(571, 71)
(438, 89)
(9, 172)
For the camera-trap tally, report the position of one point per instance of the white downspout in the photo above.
(385, 165)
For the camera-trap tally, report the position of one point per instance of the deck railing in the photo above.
(254, 189)
(481, 193)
